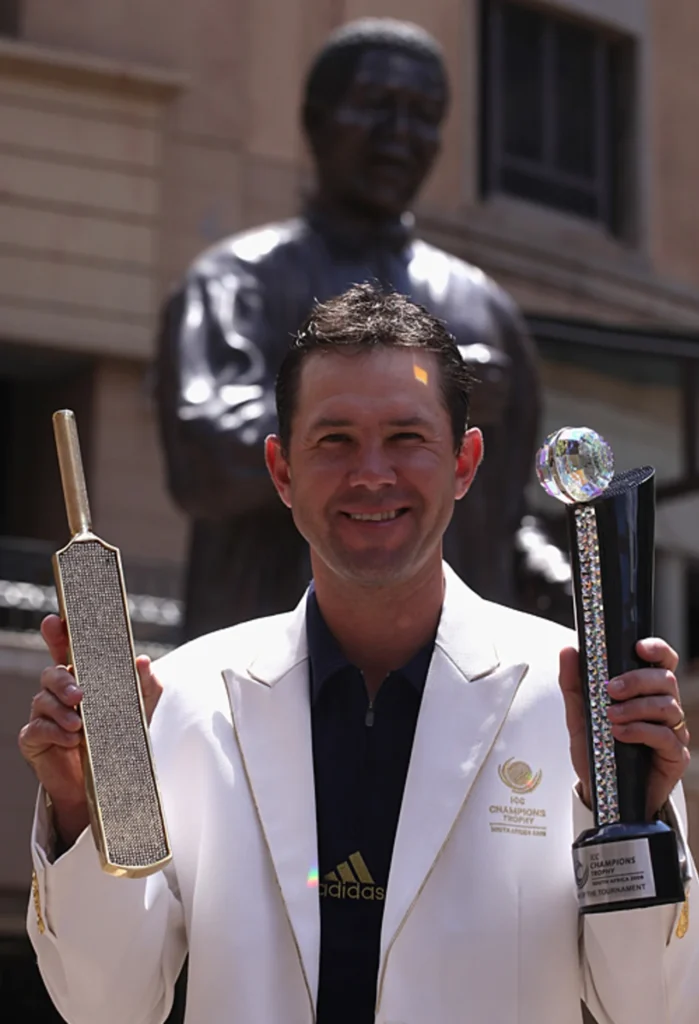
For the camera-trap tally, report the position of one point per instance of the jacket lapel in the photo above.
(467, 696)
(271, 716)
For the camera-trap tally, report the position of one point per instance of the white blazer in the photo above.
(480, 923)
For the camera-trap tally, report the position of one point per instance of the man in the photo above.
(375, 99)
(337, 780)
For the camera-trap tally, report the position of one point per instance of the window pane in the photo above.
(558, 125)
(576, 106)
(549, 191)
(9, 17)
(522, 83)
(620, 138)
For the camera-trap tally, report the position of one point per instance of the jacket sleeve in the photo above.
(109, 949)
(642, 966)
(215, 374)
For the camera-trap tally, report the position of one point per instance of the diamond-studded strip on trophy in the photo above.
(603, 766)
(625, 861)
(126, 814)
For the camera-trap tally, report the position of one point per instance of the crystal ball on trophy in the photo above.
(575, 464)
(625, 861)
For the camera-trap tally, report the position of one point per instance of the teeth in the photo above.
(374, 517)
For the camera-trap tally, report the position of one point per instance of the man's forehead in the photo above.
(338, 372)
(396, 67)
(394, 354)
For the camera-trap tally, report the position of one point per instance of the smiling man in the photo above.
(371, 799)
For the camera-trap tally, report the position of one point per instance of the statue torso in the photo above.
(261, 285)
(290, 265)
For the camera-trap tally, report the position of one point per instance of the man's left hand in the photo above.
(646, 709)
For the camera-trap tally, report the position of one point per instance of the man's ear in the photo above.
(468, 460)
(317, 124)
(278, 467)
(311, 118)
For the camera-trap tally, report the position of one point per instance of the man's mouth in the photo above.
(375, 517)
(396, 168)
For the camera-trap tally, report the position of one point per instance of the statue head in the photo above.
(375, 99)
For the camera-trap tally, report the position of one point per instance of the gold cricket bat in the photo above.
(126, 811)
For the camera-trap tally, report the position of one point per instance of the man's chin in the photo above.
(373, 572)
(382, 203)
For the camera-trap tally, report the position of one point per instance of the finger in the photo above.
(664, 710)
(569, 672)
(61, 683)
(151, 688)
(658, 652)
(45, 705)
(40, 735)
(571, 687)
(658, 737)
(55, 634)
(642, 682)
(683, 735)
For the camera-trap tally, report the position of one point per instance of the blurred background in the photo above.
(135, 133)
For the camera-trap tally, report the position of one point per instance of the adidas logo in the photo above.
(351, 880)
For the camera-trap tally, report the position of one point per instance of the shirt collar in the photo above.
(326, 658)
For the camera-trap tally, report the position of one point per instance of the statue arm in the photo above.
(215, 394)
(522, 418)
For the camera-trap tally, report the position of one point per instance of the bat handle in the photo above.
(72, 473)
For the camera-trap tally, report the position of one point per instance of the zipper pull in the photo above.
(369, 717)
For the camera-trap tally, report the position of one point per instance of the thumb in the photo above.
(151, 687)
(571, 687)
(55, 635)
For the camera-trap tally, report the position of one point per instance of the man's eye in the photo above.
(408, 435)
(430, 114)
(334, 438)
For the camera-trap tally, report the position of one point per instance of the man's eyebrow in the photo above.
(409, 421)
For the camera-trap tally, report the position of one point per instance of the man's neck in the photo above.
(359, 225)
(380, 628)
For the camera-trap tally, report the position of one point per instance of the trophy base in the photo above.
(624, 867)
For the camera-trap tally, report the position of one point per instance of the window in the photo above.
(557, 112)
(10, 17)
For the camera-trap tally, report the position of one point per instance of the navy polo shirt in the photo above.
(361, 753)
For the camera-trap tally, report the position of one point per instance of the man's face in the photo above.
(376, 147)
(371, 475)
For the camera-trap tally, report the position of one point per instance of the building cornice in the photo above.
(605, 273)
(88, 71)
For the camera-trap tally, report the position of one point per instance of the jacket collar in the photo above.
(464, 634)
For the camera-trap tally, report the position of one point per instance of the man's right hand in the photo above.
(52, 739)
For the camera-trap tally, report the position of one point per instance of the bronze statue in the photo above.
(375, 99)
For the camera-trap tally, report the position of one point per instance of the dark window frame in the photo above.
(10, 18)
(612, 195)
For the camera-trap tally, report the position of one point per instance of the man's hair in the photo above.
(360, 320)
(332, 70)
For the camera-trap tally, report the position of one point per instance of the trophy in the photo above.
(625, 861)
(126, 812)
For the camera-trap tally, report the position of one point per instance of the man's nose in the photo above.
(372, 468)
(399, 122)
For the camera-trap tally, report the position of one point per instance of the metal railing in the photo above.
(27, 591)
